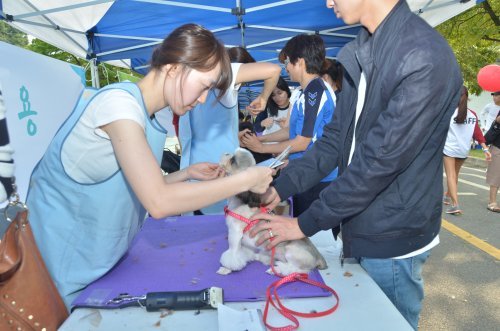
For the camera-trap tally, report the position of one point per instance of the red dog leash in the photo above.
(250, 223)
(272, 290)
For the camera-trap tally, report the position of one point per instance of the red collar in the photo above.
(248, 221)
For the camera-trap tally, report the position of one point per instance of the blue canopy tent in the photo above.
(124, 32)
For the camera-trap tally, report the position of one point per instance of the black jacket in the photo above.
(388, 201)
(492, 136)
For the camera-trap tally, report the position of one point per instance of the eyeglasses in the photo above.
(286, 62)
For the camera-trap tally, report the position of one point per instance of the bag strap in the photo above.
(6, 162)
(9, 244)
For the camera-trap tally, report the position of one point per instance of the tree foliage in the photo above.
(12, 36)
(474, 37)
(107, 73)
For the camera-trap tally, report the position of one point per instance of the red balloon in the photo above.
(489, 78)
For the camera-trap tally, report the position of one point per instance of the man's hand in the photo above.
(274, 229)
(242, 133)
(251, 142)
(270, 199)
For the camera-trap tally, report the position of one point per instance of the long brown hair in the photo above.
(462, 106)
(335, 71)
(194, 47)
(239, 55)
(272, 107)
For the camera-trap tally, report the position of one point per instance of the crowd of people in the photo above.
(367, 134)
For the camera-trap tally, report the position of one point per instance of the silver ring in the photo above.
(270, 233)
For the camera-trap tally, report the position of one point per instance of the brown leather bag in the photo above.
(29, 299)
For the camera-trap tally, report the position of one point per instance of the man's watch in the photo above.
(486, 150)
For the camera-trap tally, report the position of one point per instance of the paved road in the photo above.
(462, 282)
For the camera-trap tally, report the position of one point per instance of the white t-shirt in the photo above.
(282, 114)
(87, 154)
(359, 109)
(230, 99)
(488, 115)
(459, 136)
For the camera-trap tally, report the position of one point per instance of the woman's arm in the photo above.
(161, 198)
(198, 171)
(268, 72)
(479, 137)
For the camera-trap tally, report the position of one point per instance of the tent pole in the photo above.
(239, 11)
(94, 73)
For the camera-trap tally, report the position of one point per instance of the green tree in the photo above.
(12, 36)
(107, 73)
(474, 37)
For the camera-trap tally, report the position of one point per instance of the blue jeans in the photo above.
(401, 280)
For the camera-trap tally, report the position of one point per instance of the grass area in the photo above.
(477, 153)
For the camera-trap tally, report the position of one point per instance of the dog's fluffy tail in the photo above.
(321, 260)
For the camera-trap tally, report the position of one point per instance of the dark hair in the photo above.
(308, 47)
(462, 106)
(272, 107)
(335, 71)
(239, 55)
(194, 47)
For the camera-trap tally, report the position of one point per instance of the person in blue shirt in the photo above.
(304, 59)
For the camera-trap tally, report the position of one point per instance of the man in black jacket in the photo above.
(493, 171)
(401, 85)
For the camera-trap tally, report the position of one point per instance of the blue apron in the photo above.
(206, 133)
(82, 230)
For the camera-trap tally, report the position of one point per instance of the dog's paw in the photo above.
(271, 272)
(224, 271)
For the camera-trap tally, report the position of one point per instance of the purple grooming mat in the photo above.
(182, 254)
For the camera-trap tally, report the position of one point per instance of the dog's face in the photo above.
(239, 161)
(233, 163)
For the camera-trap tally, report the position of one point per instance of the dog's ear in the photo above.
(249, 198)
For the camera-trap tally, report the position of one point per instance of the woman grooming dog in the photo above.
(100, 175)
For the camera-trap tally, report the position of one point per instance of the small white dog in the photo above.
(291, 256)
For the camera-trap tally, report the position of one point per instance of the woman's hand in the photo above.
(276, 229)
(251, 142)
(257, 106)
(205, 171)
(282, 122)
(267, 123)
(487, 155)
(260, 178)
